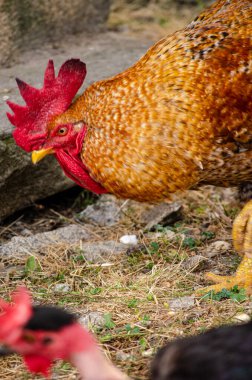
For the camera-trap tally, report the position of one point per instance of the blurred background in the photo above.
(29, 23)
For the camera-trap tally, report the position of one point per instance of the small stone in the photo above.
(163, 214)
(92, 319)
(129, 239)
(26, 232)
(242, 317)
(100, 252)
(147, 353)
(61, 288)
(170, 235)
(123, 356)
(217, 248)
(105, 212)
(193, 262)
(182, 303)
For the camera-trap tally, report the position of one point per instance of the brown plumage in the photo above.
(178, 118)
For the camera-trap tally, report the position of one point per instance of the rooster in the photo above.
(43, 334)
(179, 118)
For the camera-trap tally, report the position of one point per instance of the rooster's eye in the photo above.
(62, 131)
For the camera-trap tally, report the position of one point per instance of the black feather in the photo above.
(224, 353)
(49, 318)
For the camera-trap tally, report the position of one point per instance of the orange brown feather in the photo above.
(181, 116)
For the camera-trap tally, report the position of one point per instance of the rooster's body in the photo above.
(179, 118)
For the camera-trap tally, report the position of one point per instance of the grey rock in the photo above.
(105, 212)
(170, 235)
(61, 288)
(164, 214)
(19, 246)
(100, 252)
(92, 319)
(22, 183)
(26, 232)
(217, 248)
(182, 303)
(122, 356)
(193, 262)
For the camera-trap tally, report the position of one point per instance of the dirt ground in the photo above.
(135, 291)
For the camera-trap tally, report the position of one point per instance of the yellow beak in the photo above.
(37, 155)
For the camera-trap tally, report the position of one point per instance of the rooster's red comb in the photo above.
(14, 315)
(45, 103)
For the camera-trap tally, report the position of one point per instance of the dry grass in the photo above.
(134, 290)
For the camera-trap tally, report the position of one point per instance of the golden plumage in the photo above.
(180, 117)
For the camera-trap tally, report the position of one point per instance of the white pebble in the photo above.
(129, 239)
(123, 356)
(242, 317)
(147, 353)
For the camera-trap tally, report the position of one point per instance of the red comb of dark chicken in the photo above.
(179, 118)
(43, 334)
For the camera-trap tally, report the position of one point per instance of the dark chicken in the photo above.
(181, 117)
(219, 354)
